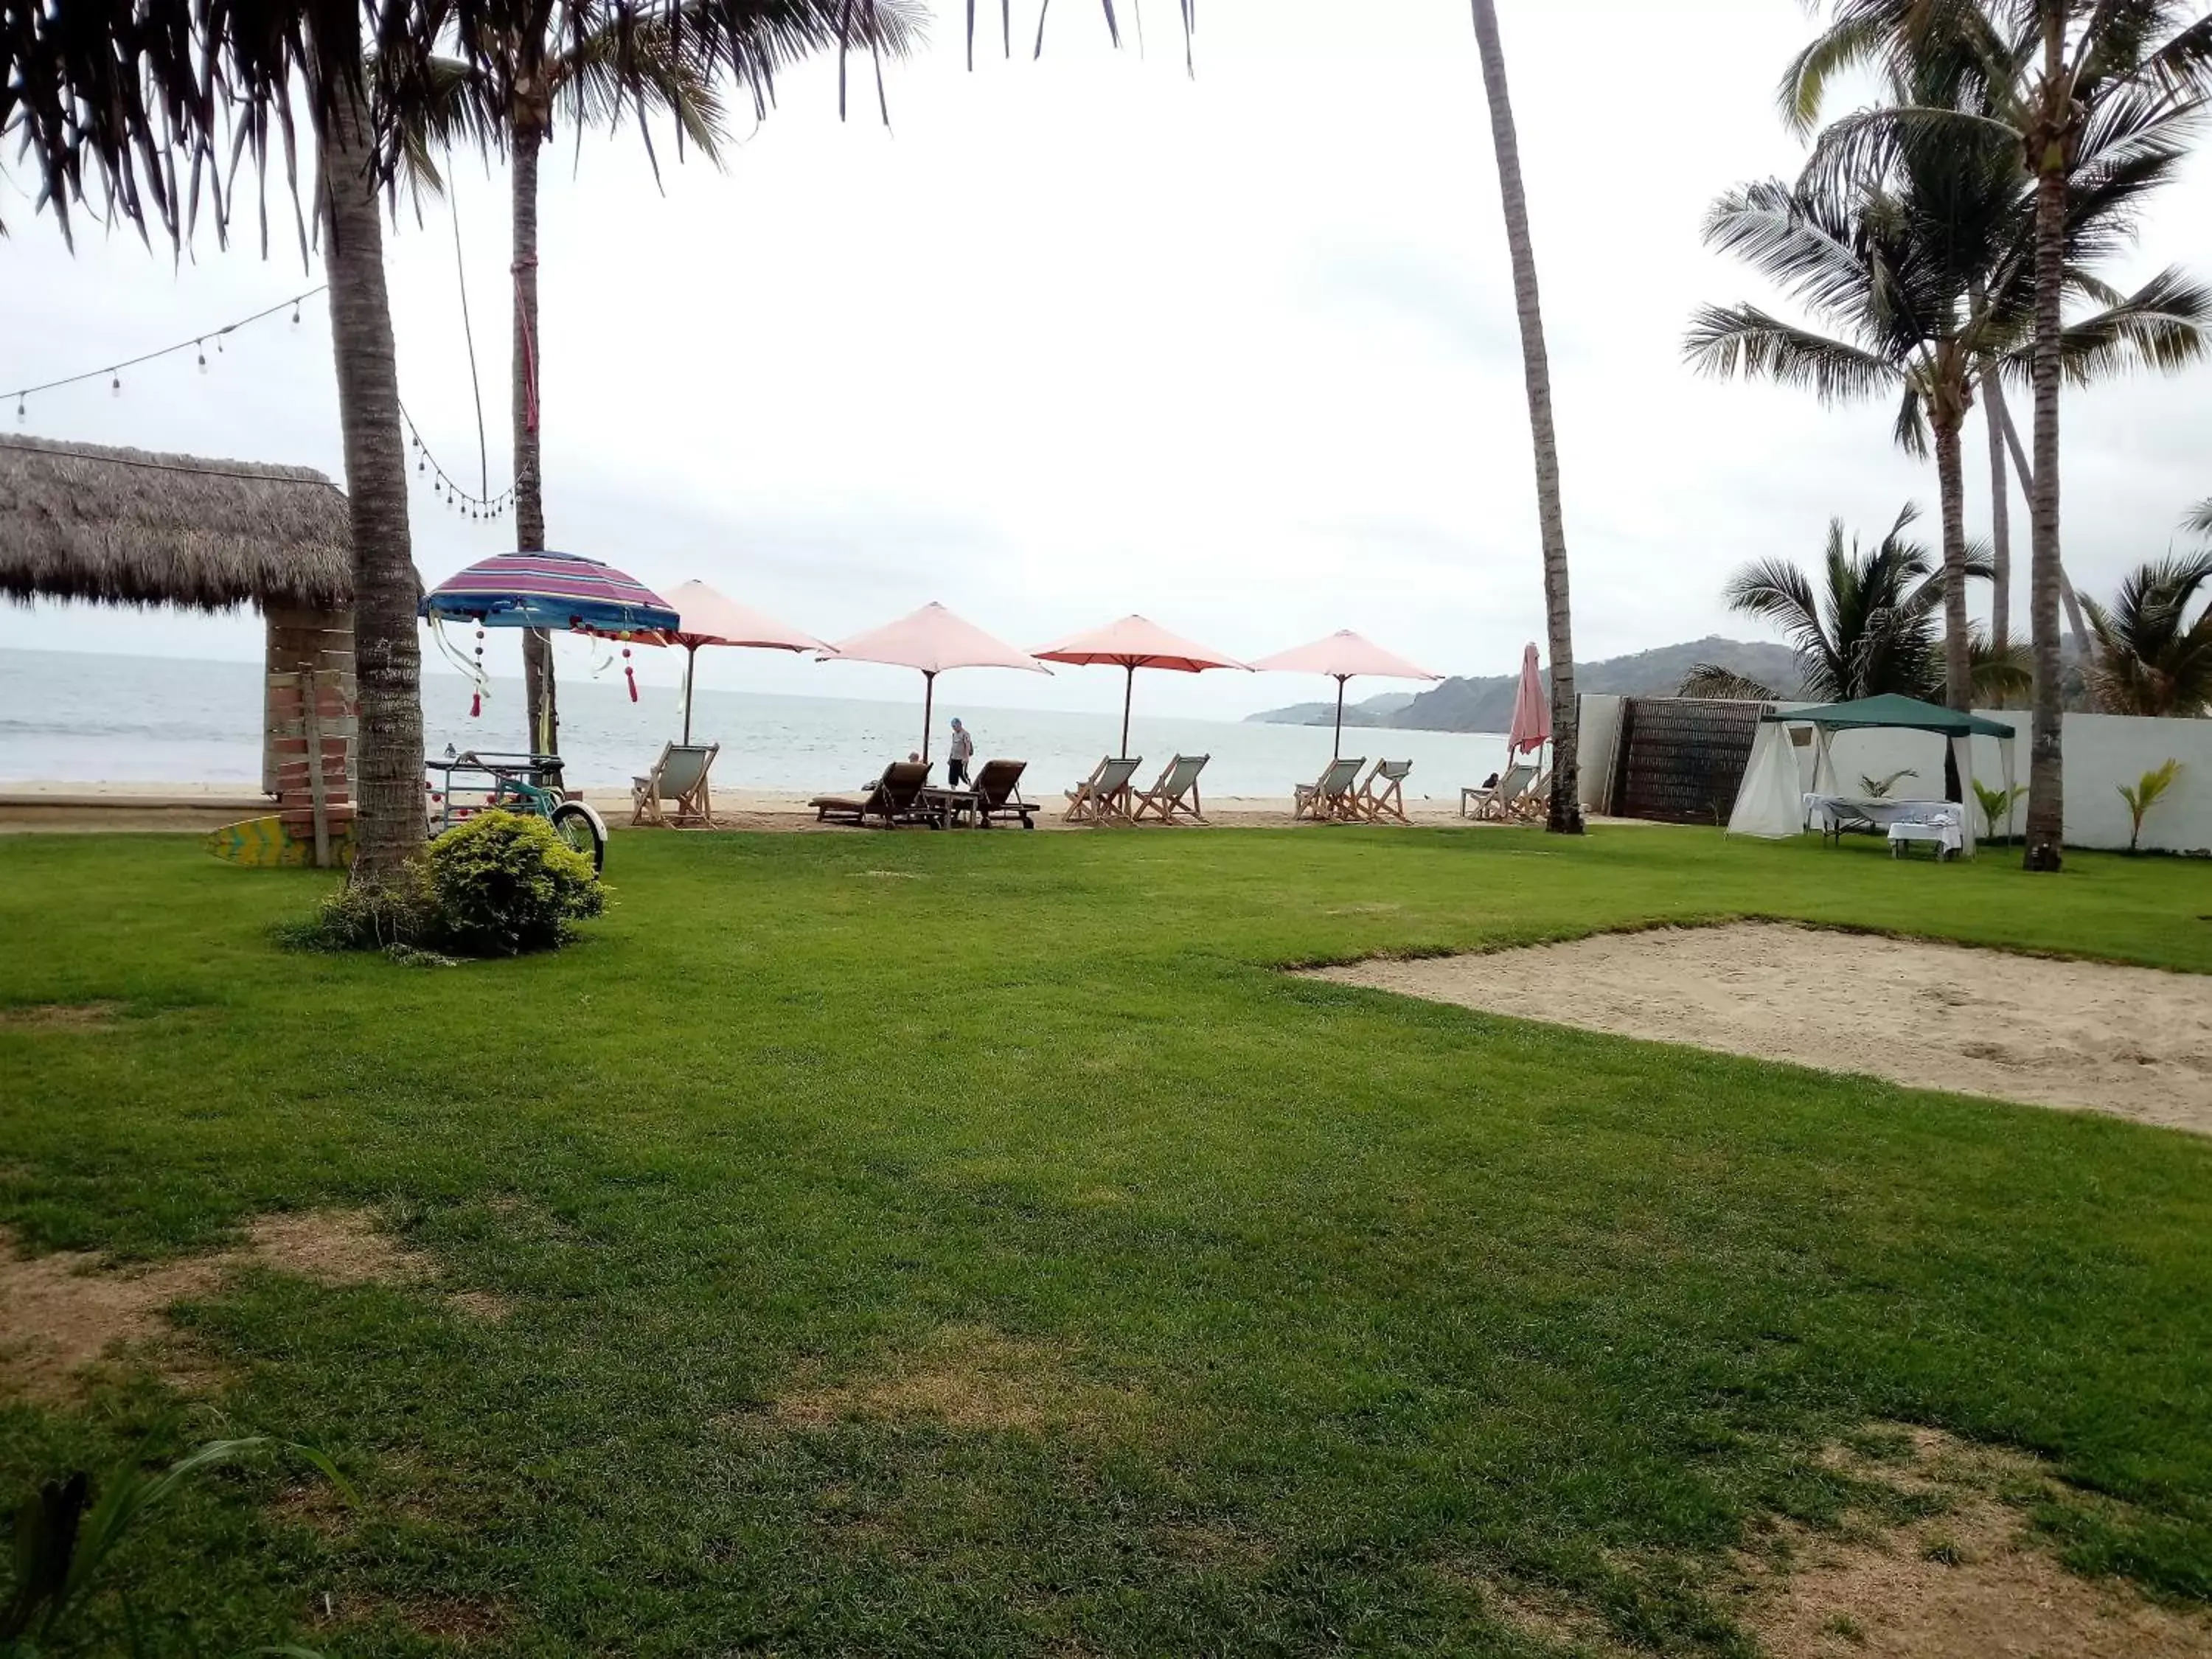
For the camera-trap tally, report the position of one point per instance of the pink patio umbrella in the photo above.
(1531, 710)
(932, 639)
(1132, 643)
(705, 617)
(1342, 656)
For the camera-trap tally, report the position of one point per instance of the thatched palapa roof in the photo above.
(125, 528)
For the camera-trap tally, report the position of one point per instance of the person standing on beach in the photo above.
(964, 750)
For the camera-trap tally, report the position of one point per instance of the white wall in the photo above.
(2102, 752)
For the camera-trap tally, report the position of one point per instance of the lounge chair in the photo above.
(1497, 802)
(1331, 796)
(895, 797)
(1384, 795)
(680, 776)
(1103, 797)
(1175, 793)
(1536, 800)
(999, 795)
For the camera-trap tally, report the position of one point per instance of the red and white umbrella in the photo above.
(932, 639)
(1342, 656)
(1532, 709)
(705, 617)
(1132, 643)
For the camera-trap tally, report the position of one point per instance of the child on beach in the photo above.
(964, 750)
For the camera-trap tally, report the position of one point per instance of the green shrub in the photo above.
(389, 916)
(502, 884)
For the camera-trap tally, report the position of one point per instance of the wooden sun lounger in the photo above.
(1175, 795)
(1383, 794)
(895, 797)
(999, 795)
(1332, 798)
(1103, 797)
(680, 776)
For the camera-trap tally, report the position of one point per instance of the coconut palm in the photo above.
(1565, 816)
(1871, 626)
(593, 64)
(2047, 75)
(2150, 659)
(1926, 273)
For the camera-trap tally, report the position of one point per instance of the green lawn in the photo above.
(1269, 1316)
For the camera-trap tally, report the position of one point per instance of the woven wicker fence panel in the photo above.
(1682, 758)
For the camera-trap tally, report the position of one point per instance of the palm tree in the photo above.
(2149, 659)
(1566, 817)
(1926, 273)
(2046, 76)
(594, 63)
(1869, 627)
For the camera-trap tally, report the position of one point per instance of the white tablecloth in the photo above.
(1828, 813)
(1947, 836)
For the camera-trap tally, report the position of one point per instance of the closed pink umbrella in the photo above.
(705, 617)
(932, 639)
(1344, 655)
(1532, 709)
(1132, 643)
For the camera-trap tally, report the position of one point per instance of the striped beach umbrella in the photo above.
(553, 591)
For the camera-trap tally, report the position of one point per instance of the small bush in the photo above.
(501, 885)
(389, 916)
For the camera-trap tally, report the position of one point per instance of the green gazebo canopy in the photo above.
(1890, 709)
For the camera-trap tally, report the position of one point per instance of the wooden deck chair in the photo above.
(1384, 795)
(1535, 800)
(1331, 796)
(678, 776)
(1175, 793)
(1495, 802)
(1103, 797)
(998, 794)
(895, 797)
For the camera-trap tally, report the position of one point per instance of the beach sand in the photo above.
(64, 806)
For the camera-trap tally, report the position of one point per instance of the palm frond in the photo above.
(2161, 324)
(1716, 684)
(1727, 341)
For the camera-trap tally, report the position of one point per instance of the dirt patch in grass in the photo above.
(2134, 1042)
(1962, 1578)
(60, 1017)
(62, 1312)
(967, 1378)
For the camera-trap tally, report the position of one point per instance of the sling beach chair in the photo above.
(1103, 797)
(1384, 795)
(895, 797)
(998, 794)
(1175, 795)
(1333, 797)
(1497, 802)
(679, 777)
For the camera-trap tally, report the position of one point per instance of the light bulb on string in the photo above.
(22, 411)
(202, 344)
(115, 385)
(295, 313)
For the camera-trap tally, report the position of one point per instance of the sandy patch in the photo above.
(60, 1017)
(2135, 1042)
(62, 1313)
(967, 1378)
(1962, 1584)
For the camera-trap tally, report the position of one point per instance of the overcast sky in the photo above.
(1082, 336)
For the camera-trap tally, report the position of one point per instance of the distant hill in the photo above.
(1486, 704)
(1368, 711)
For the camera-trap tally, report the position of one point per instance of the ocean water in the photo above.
(83, 719)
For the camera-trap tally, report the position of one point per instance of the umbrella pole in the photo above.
(690, 674)
(1128, 691)
(928, 707)
(1336, 749)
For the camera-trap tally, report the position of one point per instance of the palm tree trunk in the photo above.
(389, 827)
(1566, 813)
(2047, 777)
(1951, 489)
(2000, 514)
(545, 712)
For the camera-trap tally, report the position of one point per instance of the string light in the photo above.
(447, 489)
(196, 343)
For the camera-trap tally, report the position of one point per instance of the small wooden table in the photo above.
(951, 806)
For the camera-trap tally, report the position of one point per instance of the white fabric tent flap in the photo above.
(1770, 803)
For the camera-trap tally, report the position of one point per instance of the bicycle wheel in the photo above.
(580, 826)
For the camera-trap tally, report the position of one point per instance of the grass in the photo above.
(971, 1244)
